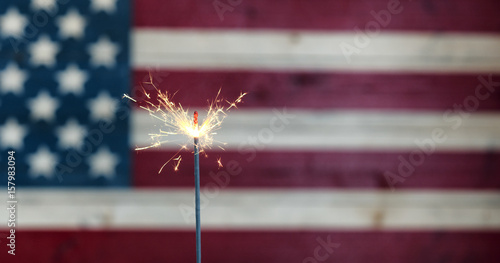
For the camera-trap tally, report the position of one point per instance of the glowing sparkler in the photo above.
(176, 121)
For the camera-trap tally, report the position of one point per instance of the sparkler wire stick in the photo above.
(197, 190)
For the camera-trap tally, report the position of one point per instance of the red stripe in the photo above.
(253, 246)
(321, 90)
(480, 15)
(322, 169)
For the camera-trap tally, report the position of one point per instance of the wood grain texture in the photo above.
(258, 246)
(315, 90)
(295, 129)
(260, 209)
(463, 15)
(315, 51)
(317, 169)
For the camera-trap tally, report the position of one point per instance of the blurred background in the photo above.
(370, 131)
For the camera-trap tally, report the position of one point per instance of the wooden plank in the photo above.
(292, 129)
(260, 209)
(319, 90)
(461, 15)
(258, 246)
(315, 51)
(321, 169)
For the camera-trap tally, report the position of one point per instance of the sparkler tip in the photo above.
(195, 118)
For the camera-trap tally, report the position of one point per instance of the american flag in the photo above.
(370, 131)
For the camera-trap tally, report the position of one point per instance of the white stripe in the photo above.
(259, 209)
(337, 130)
(314, 50)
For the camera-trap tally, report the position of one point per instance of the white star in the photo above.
(108, 6)
(103, 52)
(12, 79)
(47, 5)
(103, 107)
(72, 80)
(71, 135)
(43, 107)
(12, 134)
(103, 163)
(43, 162)
(12, 24)
(43, 52)
(71, 25)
